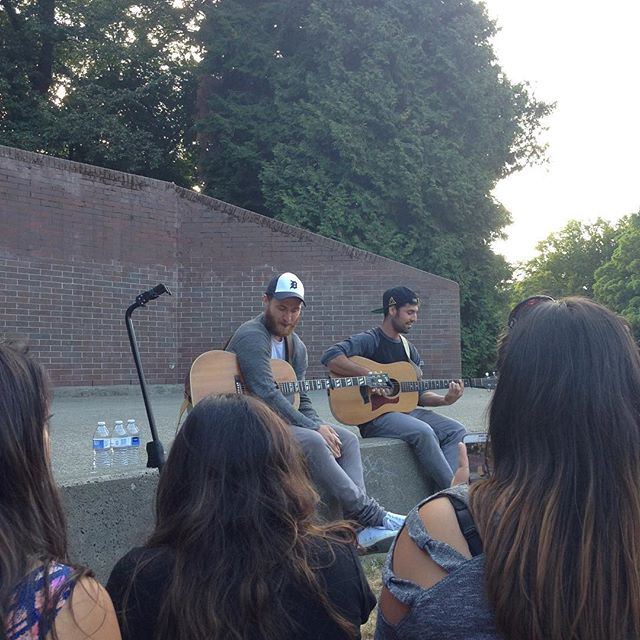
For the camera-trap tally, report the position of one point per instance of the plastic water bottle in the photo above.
(101, 448)
(134, 441)
(120, 445)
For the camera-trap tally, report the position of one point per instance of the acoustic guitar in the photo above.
(357, 405)
(217, 372)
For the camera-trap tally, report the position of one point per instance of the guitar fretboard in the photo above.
(321, 384)
(429, 385)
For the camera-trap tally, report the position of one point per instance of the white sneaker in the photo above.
(393, 521)
(376, 539)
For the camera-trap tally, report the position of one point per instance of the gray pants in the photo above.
(433, 437)
(342, 478)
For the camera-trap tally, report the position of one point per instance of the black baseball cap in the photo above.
(286, 285)
(398, 297)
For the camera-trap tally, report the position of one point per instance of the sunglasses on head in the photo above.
(524, 306)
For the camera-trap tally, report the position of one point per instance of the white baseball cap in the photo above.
(286, 285)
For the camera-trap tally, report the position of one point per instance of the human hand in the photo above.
(380, 391)
(332, 439)
(461, 476)
(456, 389)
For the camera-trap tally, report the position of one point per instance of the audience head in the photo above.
(568, 391)
(234, 465)
(32, 524)
(235, 504)
(560, 515)
(31, 518)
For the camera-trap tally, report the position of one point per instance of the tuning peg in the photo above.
(491, 380)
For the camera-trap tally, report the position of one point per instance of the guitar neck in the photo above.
(431, 385)
(321, 384)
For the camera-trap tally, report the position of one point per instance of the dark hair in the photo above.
(235, 504)
(32, 523)
(560, 516)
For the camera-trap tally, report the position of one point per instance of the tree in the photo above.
(617, 282)
(568, 260)
(107, 82)
(381, 123)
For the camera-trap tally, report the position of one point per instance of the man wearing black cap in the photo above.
(433, 437)
(332, 453)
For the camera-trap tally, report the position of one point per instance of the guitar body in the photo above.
(217, 373)
(357, 405)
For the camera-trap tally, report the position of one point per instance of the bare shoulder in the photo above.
(411, 563)
(88, 614)
(440, 521)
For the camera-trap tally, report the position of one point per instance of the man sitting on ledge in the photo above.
(433, 437)
(332, 452)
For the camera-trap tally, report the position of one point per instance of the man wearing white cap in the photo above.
(333, 453)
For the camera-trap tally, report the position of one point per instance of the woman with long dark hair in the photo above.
(41, 595)
(559, 517)
(237, 551)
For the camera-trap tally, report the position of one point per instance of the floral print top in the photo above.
(25, 621)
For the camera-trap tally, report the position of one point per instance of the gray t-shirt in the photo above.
(455, 608)
(368, 344)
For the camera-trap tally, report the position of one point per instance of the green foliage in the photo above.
(107, 82)
(617, 282)
(484, 306)
(384, 124)
(567, 261)
(381, 123)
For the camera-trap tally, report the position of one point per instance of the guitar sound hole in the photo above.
(395, 388)
(389, 398)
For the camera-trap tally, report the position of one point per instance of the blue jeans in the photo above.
(433, 437)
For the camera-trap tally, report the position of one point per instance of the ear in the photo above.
(265, 299)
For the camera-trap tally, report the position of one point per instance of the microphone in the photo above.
(155, 450)
(152, 294)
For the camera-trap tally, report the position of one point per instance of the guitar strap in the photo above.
(289, 348)
(407, 348)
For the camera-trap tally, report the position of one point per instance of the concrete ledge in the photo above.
(393, 475)
(108, 516)
(115, 390)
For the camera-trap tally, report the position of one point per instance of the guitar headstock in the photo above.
(490, 380)
(378, 380)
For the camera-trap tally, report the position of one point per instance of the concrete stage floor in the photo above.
(76, 412)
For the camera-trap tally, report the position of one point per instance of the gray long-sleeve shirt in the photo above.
(252, 345)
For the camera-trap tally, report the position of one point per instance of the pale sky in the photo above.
(585, 56)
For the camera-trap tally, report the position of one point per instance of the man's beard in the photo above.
(275, 329)
(400, 327)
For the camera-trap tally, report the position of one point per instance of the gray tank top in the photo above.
(455, 608)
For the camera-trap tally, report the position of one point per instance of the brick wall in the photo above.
(78, 243)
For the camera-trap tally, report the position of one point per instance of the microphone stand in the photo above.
(155, 450)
